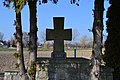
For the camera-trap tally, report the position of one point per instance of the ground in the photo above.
(70, 53)
(8, 61)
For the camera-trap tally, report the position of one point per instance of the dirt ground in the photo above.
(7, 60)
(79, 53)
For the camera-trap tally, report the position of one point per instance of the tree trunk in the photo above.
(97, 39)
(33, 39)
(19, 53)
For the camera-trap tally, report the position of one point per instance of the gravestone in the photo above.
(77, 68)
(58, 34)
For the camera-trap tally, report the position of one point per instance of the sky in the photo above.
(79, 18)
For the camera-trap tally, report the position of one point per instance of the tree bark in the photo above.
(20, 57)
(97, 39)
(33, 39)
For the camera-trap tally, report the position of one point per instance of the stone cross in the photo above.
(58, 34)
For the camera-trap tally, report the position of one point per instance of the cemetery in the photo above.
(58, 65)
(81, 63)
(25, 60)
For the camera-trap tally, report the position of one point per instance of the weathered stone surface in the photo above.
(59, 34)
(1, 76)
(65, 69)
(106, 73)
(46, 65)
(69, 69)
(11, 75)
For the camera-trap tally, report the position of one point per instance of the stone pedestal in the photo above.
(64, 69)
(58, 55)
(106, 73)
(68, 69)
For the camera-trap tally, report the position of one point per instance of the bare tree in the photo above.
(90, 42)
(75, 35)
(43, 37)
(25, 39)
(83, 41)
(1, 36)
(12, 42)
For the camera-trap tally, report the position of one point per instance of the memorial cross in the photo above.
(58, 34)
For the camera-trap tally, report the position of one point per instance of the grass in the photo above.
(25, 49)
(7, 49)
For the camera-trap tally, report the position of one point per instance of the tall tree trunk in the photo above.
(19, 53)
(97, 36)
(33, 39)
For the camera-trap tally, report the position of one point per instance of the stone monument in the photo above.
(60, 67)
(59, 34)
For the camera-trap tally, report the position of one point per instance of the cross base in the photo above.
(58, 55)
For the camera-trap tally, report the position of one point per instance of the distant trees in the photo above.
(1, 36)
(25, 39)
(43, 36)
(1, 39)
(44, 43)
(11, 42)
(74, 43)
(86, 42)
(77, 41)
(83, 41)
(75, 35)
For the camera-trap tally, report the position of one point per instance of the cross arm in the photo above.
(67, 34)
(49, 34)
